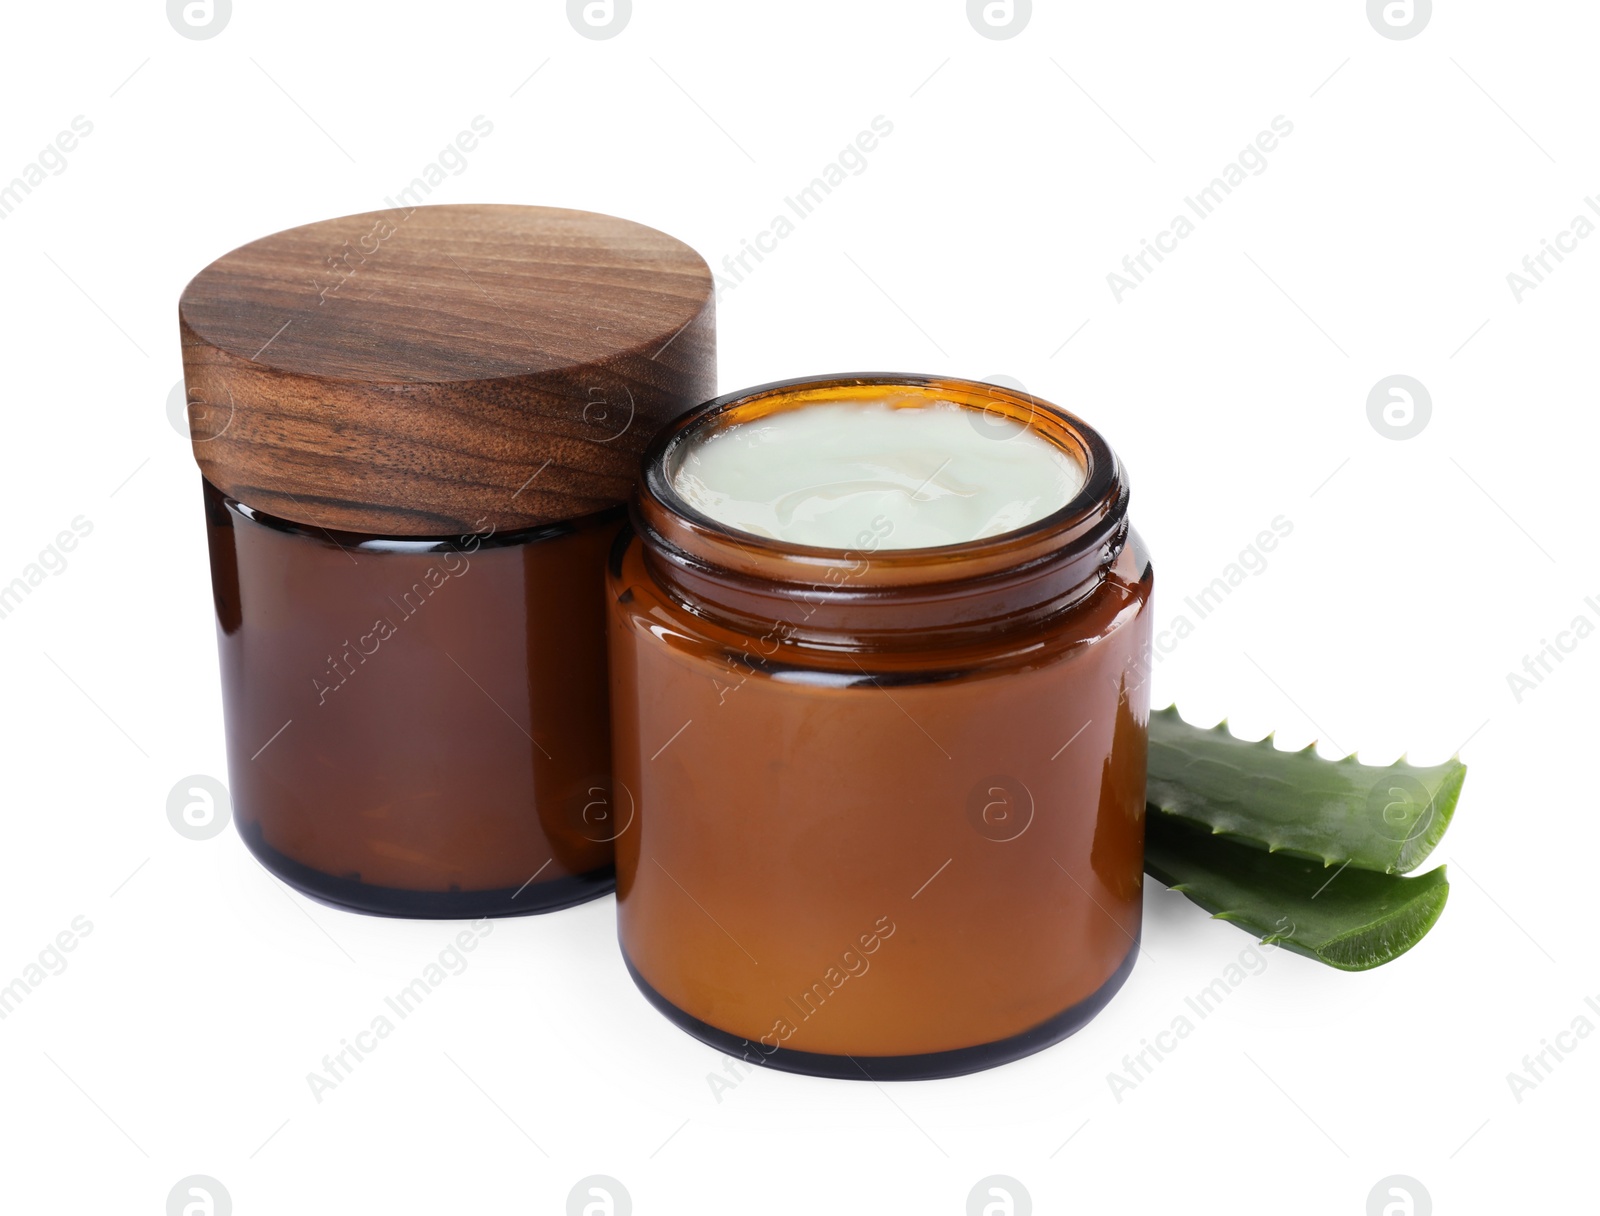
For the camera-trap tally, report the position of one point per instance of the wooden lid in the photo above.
(431, 371)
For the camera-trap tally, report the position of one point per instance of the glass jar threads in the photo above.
(883, 806)
(416, 430)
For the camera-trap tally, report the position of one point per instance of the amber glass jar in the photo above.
(883, 811)
(417, 431)
(417, 727)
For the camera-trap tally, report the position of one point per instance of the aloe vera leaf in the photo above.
(1353, 920)
(1333, 811)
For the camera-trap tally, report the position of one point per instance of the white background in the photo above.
(1233, 382)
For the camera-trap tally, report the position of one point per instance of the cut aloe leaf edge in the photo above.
(1336, 812)
(1353, 920)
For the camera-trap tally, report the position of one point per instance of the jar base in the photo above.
(352, 895)
(926, 1066)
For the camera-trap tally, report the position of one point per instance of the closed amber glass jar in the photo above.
(881, 810)
(417, 431)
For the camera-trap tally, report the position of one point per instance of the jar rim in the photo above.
(1041, 566)
(1102, 471)
(378, 542)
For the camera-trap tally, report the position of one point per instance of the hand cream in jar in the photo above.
(878, 651)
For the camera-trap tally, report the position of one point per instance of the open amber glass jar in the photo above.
(417, 431)
(882, 809)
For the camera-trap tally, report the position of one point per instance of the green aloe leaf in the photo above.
(1351, 919)
(1336, 812)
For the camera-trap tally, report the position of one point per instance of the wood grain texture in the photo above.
(432, 371)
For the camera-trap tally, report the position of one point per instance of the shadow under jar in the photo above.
(881, 810)
(417, 431)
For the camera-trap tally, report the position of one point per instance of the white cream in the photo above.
(852, 475)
